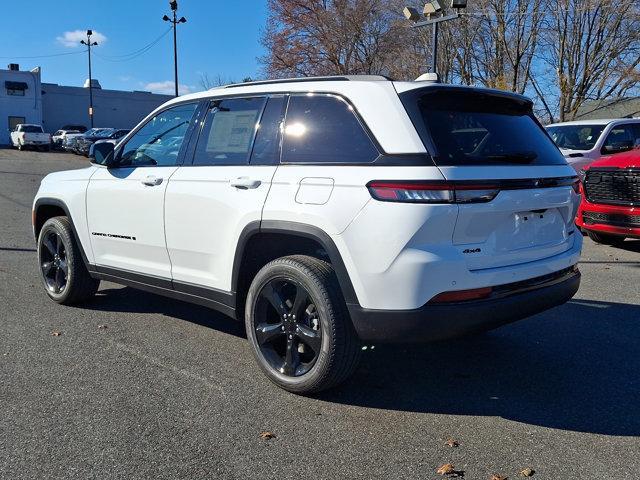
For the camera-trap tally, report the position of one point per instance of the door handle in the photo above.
(151, 181)
(245, 183)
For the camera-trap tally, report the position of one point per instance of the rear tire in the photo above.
(604, 238)
(309, 353)
(62, 269)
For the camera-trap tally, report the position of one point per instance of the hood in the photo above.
(621, 160)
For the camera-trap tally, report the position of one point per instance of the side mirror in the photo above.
(103, 154)
(618, 147)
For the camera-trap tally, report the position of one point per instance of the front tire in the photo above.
(62, 270)
(299, 327)
(604, 238)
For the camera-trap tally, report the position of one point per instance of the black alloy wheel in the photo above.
(53, 262)
(287, 327)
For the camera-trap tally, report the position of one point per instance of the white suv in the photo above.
(327, 213)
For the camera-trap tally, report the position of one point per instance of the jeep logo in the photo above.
(474, 250)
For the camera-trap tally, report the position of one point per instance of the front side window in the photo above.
(158, 142)
(576, 137)
(228, 132)
(324, 129)
(620, 138)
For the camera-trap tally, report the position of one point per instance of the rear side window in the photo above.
(475, 128)
(324, 129)
(228, 132)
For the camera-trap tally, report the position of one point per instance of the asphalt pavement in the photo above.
(140, 386)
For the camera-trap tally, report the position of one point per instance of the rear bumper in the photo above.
(439, 322)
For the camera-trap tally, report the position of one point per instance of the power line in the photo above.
(136, 53)
(43, 56)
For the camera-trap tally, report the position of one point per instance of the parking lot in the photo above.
(140, 386)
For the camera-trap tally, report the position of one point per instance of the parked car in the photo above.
(27, 135)
(585, 141)
(85, 141)
(325, 213)
(69, 142)
(610, 208)
(112, 141)
(79, 128)
(57, 139)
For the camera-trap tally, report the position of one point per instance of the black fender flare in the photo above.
(301, 230)
(56, 202)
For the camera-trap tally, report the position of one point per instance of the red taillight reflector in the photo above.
(431, 192)
(462, 295)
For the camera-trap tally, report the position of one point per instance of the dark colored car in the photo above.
(85, 141)
(610, 208)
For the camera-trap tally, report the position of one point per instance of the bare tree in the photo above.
(594, 48)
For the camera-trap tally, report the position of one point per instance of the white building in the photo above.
(25, 99)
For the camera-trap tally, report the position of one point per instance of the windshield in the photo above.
(473, 127)
(576, 137)
(31, 129)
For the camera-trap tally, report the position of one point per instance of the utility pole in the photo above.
(90, 44)
(174, 10)
(431, 10)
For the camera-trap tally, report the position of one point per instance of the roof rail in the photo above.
(336, 78)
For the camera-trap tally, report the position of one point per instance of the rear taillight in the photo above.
(432, 192)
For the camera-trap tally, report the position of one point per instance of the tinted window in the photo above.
(228, 132)
(31, 129)
(576, 137)
(158, 141)
(266, 148)
(474, 128)
(324, 129)
(621, 136)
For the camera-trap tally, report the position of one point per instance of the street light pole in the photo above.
(174, 10)
(90, 44)
(432, 8)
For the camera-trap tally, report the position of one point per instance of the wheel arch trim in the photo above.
(301, 230)
(56, 202)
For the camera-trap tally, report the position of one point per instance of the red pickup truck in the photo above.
(610, 208)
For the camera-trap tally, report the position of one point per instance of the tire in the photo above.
(324, 319)
(59, 258)
(604, 238)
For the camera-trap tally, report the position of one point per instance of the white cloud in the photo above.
(72, 39)
(167, 88)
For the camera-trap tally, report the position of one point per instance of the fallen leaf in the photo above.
(56, 334)
(527, 472)
(451, 443)
(495, 476)
(102, 327)
(446, 469)
(267, 435)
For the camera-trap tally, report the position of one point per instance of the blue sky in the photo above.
(221, 37)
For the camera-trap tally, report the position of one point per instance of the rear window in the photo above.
(31, 129)
(477, 128)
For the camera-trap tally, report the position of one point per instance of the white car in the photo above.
(27, 135)
(57, 139)
(325, 213)
(585, 141)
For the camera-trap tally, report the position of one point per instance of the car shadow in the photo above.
(576, 368)
(131, 300)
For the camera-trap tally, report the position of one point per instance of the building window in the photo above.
(15, 92)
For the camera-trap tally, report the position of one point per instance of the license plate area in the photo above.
(533, 228)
